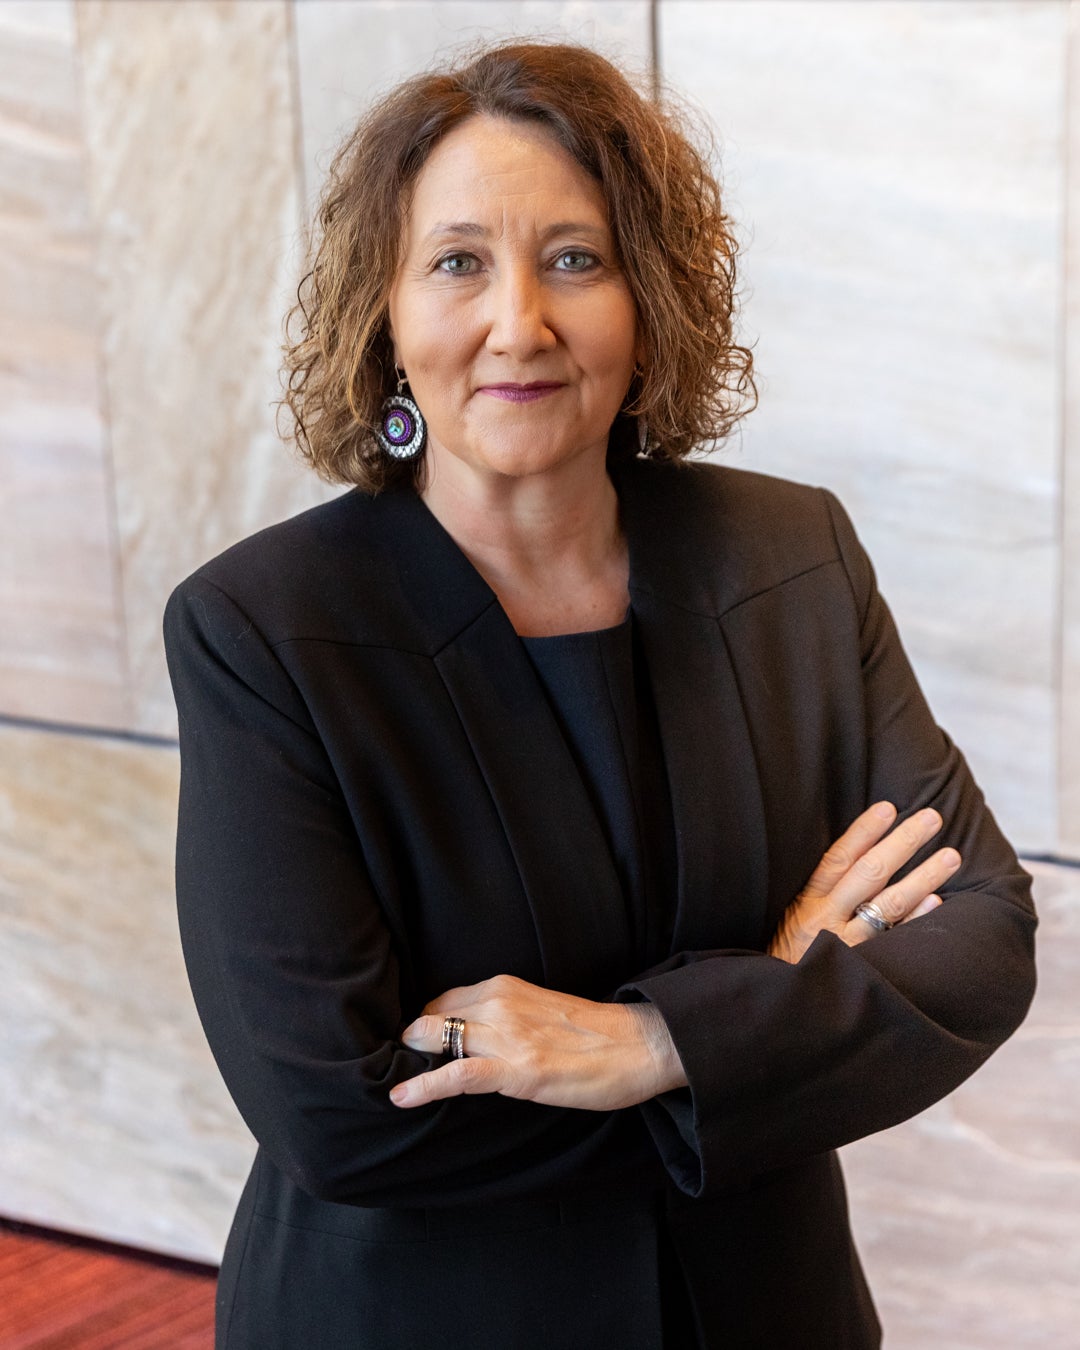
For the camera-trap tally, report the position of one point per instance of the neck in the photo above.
(548, 544)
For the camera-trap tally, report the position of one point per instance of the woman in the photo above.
(567, 862)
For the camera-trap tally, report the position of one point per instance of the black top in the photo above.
(598, 686)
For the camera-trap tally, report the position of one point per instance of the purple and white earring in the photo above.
(403, 431)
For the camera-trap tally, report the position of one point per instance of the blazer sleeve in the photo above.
(291, 962)
(785, 1060)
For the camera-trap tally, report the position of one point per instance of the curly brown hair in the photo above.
(675, 243)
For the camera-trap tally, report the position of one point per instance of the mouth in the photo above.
(521, 393)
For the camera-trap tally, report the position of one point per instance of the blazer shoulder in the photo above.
(724, 535)
(357, 569)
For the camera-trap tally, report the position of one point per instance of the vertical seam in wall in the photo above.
(654, 48)
(292, 48)
(1068, 396)
(112, 505)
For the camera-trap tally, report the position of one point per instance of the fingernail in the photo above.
(885, 810)
(951, 859)
(399, 1095)
(931, 817)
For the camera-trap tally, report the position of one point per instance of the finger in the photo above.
(869, 874)
(926, 906)
(425, 1033)
(459, 1077)
(499, 989)
(861, 834)
(897, 903)
(451, 1000)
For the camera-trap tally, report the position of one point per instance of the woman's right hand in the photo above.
(857, 868)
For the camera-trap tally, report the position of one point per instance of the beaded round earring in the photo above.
(402, 432)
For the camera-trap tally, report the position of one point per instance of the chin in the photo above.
(527, 454)
(516, 451)
(533, 463)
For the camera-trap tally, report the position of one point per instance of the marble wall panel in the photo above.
(968, 1216)
(1070, 665)
(61, 633)
(115, 1121)
(896, 170)
(191, 145)
(348, 50)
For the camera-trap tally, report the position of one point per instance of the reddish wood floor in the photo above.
(61, 1293)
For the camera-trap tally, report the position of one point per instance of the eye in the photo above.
(576, 260)
(458, 264)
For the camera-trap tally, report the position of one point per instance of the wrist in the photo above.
(665, 1065)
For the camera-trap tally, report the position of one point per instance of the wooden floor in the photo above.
(61, 1293)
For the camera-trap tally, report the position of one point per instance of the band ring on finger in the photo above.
(870, 913)
(453, 1037)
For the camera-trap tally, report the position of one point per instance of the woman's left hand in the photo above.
(858, 868)
(538, 1045)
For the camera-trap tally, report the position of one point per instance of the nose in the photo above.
(519, 324)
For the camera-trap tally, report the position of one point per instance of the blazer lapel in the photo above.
(561, 852)
(559, 846)
(720, 834)
(715, 800)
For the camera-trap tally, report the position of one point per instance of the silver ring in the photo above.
(869, 913)
(453, 1037)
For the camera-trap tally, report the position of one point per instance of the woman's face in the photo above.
(509, 314)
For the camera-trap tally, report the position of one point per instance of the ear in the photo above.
(387, 326)
(639, 338)
(393, 345)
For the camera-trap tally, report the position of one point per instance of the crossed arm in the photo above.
(539, 1045)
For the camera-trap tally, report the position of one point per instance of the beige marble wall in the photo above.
(61, 626)
(1069, 808)
(191, 137)
(968, 1216)
(348, 52)
(897, 171)
(114, 1119)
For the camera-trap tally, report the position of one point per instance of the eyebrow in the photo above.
(469, 229)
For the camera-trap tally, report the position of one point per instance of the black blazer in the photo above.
(377, 805)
